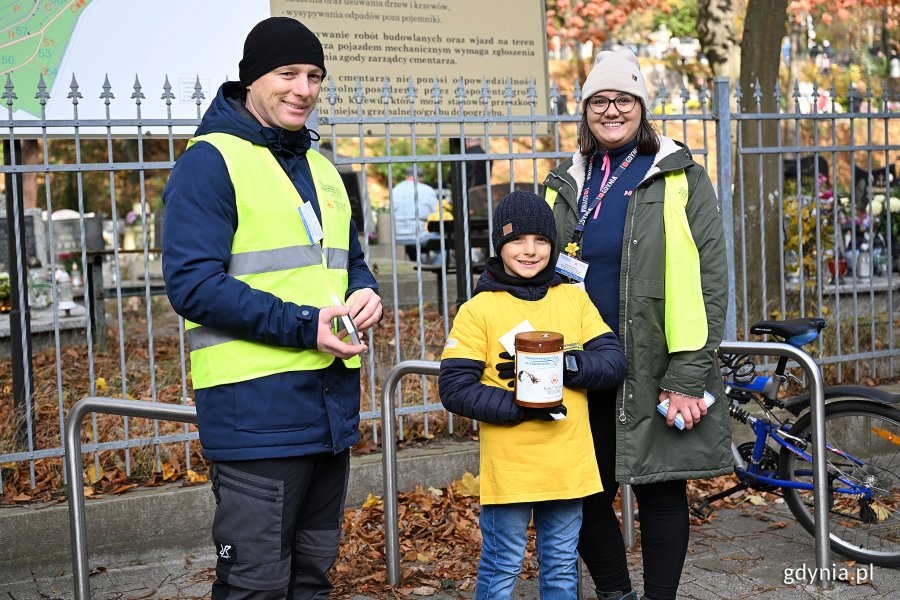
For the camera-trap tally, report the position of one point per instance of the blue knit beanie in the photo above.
(521, 213)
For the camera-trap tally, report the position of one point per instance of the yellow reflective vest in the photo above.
(686, 326)
(272, 252)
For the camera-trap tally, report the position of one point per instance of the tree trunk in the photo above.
(716, 27)
(765, 26)
(31, 155)
(581, 67)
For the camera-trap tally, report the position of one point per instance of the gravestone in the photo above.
(67, 234)
(32, 219)
(882, 183)
(809, 166)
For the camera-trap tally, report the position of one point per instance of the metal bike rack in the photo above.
(74, 420)
(820, 476)
(389, 458)
(820, 471)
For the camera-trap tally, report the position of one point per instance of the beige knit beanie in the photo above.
(615, 71)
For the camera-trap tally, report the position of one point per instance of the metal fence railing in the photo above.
(93, 319)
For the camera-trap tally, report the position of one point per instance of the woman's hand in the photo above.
(691, 408)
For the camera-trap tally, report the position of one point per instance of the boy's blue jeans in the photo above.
(504, 532)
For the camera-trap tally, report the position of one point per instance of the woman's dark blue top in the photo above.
(602, 241)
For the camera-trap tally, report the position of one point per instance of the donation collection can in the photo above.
(539, 369)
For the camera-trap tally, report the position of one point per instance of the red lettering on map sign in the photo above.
(10, 34)
(16, 7)
(48, 42)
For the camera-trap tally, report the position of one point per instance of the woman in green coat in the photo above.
(635, 209)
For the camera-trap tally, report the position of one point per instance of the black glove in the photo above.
(507, 370)
(545, 414)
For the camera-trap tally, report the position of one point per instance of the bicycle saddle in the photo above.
(796, 332)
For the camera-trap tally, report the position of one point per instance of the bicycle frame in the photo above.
(764, 430)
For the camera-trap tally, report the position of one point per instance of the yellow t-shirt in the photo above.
(534, 460)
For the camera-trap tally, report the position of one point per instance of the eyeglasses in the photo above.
(600, 104)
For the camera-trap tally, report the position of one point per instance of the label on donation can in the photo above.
(539, 369)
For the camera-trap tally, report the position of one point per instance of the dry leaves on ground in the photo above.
(440, 540)
(439, 544)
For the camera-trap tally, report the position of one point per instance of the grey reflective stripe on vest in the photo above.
(336, 258)
(201, 337)
(281, 259)
(278, 259)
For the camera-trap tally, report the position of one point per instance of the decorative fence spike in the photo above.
(197, 96)
(167, 94)
(436, 92)
(74, 94)
(358, 94)
(332, 92)
(9, 95)
(106, 95)
(410, 91)
(42, 96)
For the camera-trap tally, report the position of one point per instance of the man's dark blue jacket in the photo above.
(288, 414)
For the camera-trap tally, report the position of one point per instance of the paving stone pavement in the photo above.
(741, 553)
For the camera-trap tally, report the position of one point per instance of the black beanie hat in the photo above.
(276, 42)
(521, 213)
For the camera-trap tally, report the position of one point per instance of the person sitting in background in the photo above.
(411, 202)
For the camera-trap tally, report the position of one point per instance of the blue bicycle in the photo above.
(862, 442)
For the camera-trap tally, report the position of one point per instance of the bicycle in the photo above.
(862, 433)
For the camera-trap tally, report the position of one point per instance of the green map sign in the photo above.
(33, 40)
(153, 54)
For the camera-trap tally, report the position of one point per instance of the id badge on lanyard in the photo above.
(572, 269)
(567, 265)
(310, 222)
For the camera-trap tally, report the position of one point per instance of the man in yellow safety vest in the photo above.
(260, 257)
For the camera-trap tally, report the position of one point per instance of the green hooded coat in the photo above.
(647, 449)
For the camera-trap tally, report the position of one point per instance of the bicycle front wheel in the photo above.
(863, 452)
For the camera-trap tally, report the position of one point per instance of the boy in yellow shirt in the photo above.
(535, 462)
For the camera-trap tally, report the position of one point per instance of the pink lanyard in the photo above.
(605, 186)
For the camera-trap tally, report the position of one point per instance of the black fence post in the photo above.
(457, 172)
(93, 289)
(19, 318)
